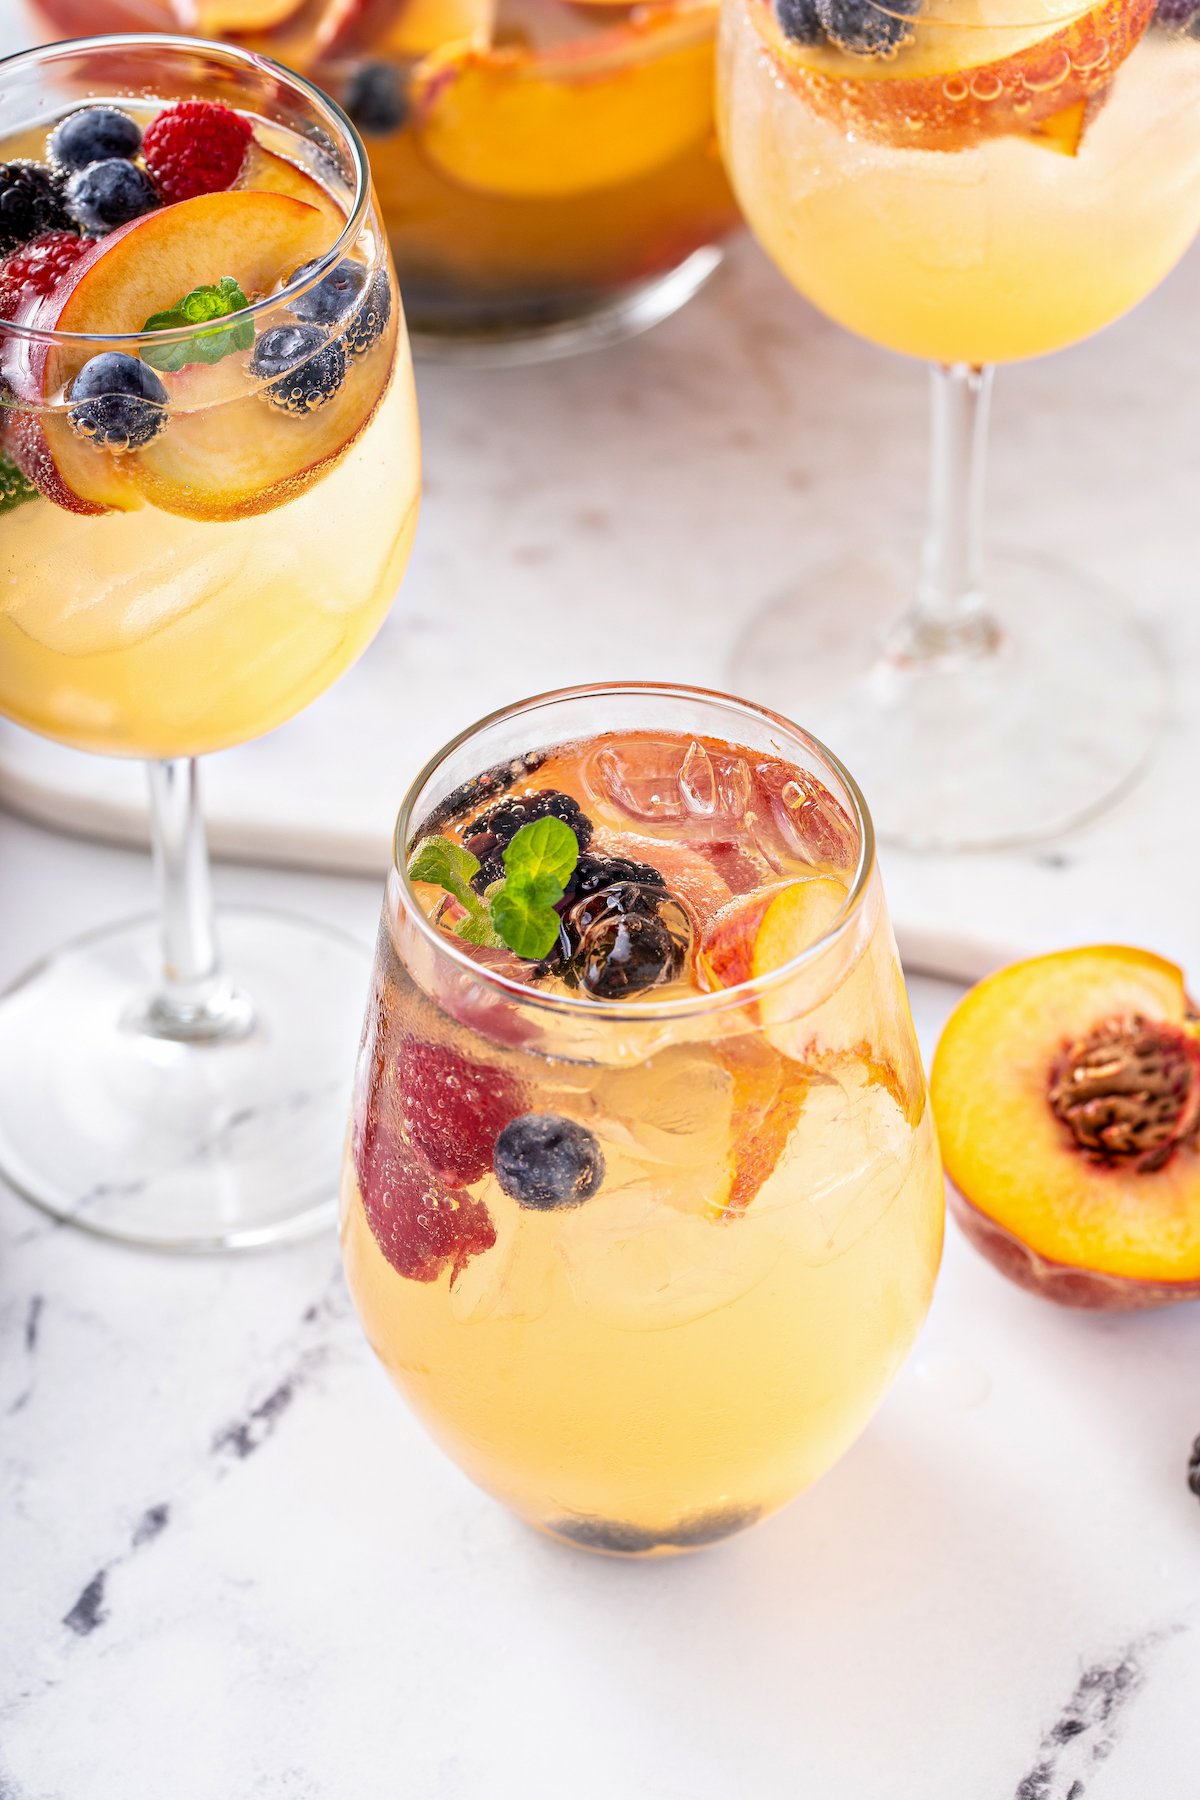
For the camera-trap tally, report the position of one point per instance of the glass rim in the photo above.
(169, 43)
(646, 1012)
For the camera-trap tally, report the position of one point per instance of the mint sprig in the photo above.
(15, 488)
(517, 912)
(219, 301)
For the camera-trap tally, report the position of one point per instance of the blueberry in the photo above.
(108, 194)
(865, 29)
(117, 402)
(376, 97)
(543, 1160)
(93, 135)
(799, 21)
(339, 294)
(626, 953)
(310, 365)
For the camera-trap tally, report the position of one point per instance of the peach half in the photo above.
(1067, 1096)
(960, 81)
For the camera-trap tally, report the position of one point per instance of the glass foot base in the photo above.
(224, 1145)
(1045, 723)
(513, 339)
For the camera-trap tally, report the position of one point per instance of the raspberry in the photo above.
(451, 1110)
(195, 147)
(420, 1226)
(34, 271)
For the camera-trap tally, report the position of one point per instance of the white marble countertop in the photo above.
(233, 1568)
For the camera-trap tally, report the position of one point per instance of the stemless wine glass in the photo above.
(549, 173)
(202, 527)
(969, 182)
(642, 1222)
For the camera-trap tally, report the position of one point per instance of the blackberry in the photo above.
(108, 194)
(303, 366)
(340, 295)
(94, 135)
(866, 29)
(1193, 1469)
(496, 827)
(627, 953)
(544, 1161)
(800, 21)
(31, 202)
(117, 402)
(376, 97)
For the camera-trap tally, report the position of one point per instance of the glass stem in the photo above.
(950, 617)
(195, 1000)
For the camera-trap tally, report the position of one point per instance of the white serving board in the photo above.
(621, 515)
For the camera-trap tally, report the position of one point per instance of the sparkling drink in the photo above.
(643, 1221)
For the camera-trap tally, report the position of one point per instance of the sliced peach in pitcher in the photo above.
(1067, 1096)
(402, 28)
(966, 72)
(864, 1020)
(614, 107)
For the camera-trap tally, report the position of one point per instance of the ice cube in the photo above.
(674, 783)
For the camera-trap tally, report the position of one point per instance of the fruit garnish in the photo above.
(15, 487)
(212, 301)
(31, 203)
(864, 28)
(958, 81)
(92, 135)
(519, 913)
(498, 825)
(376, 96)
(117, 402)
(421, 1226)
(196, 147)
(346, 293)
(1193, 1470)
(1067, 1096)
(274, 174)
(800, 21)
(451, 1110)
(613, 111)
(544, 1161)
(137, 271)
(769, 1092)
(399, 29)
(34, 271)
(108, 194)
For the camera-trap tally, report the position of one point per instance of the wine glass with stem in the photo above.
(203, 524)
(969, 182)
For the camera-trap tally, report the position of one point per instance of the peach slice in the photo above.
(865, 1020)
(266, 172)
(959, 81)
(402, 28)
(615, 107)
(219, 18)
(1067, 1096)
(142, 268)
(769, 1091)
(242, 457)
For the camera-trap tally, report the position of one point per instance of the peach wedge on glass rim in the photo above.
(1067, 1096)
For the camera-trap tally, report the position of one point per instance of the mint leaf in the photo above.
(545, 848)
(448, 866)
(197, 308)
(519, 911)
(526, 924)
(15, 489)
